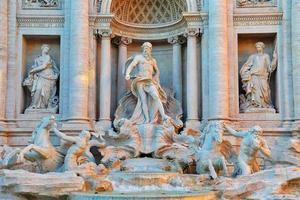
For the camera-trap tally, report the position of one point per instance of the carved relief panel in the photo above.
(41, 4)
(255, 3)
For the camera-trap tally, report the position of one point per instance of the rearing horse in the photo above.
(209, 158)
(42, 150)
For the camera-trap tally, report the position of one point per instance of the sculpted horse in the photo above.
(210, 158)
(42, 150)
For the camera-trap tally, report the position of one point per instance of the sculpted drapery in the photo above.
(42, 79)
(145, 87)
(255, 75)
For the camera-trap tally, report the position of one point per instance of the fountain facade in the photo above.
(146, 99)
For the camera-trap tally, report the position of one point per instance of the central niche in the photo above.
(148, 11)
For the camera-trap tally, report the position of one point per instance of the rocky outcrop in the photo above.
(268, 184)
(26, 184)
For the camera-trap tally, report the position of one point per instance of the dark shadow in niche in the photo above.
(31, 50)
(246, 47)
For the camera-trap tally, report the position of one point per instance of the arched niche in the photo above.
(105, 5)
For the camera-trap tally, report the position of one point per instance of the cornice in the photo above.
(257, 19)
(40, 21)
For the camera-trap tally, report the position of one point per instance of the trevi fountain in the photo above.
(149, 99)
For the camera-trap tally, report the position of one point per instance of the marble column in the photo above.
(192, 90)
(122, 43)
(296, 56)
(3, 55)
(177, 67)
(79, 61)
(105, 81)
(218, 60)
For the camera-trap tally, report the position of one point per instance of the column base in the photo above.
(103, 125)
(193, 124)
(76, 124)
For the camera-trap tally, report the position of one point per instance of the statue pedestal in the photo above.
(48, 111)
(260, 110)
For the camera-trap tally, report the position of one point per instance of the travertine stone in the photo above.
(79, 63)
(12, 62)
(218, 60)
(40, 185)
(296, 54)
(3, 55)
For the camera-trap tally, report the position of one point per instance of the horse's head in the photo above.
(47, 122)
(43, 128)
(217, 131)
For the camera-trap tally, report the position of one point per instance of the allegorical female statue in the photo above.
(255, 75)
(41, 81)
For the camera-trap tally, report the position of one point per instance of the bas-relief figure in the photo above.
(41, 82)
(41, 3)
(252, 143)
(255, 76)
(254, 3)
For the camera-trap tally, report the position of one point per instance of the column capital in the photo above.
(192, 32)
(104, 33)
(176, 40)
(122, 41)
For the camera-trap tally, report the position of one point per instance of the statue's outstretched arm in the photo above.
(265, 149)
(64, 136)
(234, 132)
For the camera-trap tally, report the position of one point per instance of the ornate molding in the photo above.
(196, 19)
(176, 40)
(104, 23)
(41, 21)
(192, 32)
(257, 19)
